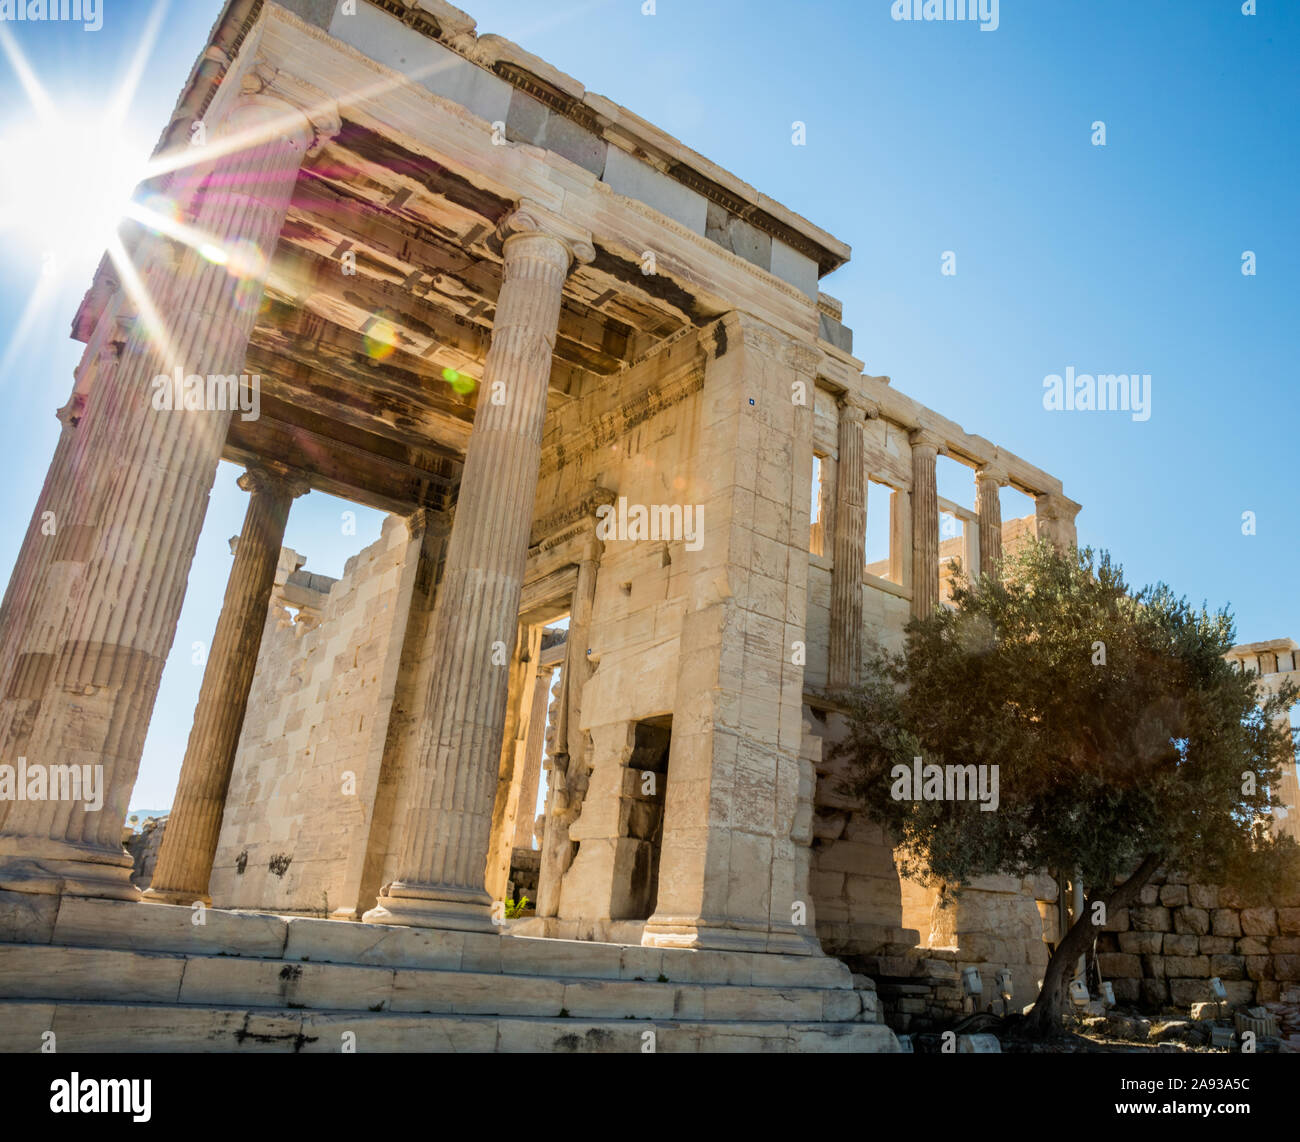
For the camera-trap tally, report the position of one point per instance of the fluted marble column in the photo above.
(514, 742)
(531, 778)
(850, 548)
(70, 500)
(42, 530)
(568, 781)
(989, 481)
(441, 873)
(93, 692)
(925, 523)
(190, 840)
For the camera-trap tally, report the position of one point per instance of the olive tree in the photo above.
(1123, 741)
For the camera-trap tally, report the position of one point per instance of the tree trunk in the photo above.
(1044, 1021)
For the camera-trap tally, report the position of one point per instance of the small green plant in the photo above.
(515, 910)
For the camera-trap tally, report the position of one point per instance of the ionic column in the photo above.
(569, 776)
(989, 480)
(42, 530)
(850, 543)
(925, 523)
(531, 778)
(519, 708)
(190, 840)
(441, 874)
(93, 692)
(1054, 520)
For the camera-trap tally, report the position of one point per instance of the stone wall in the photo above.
(1164, 951)
(294, 817)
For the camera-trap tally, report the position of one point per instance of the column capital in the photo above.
(264, 86)
(925, 438)
(531, 220)
(1055, 506)
(995, 472)
(855, 407)
(274, 479)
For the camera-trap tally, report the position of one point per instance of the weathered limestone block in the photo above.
(1180, 945)
(1140, 943)
(1184, 992)
(1217, 945)
(1154, 992)
(1118, 920)
(1188, 966)
(1151, 919)
(1226, 922)
(1192, 921)
(1204, 896)
(1288, 920)
(1257, 922)
(1286, 967)
(1227, 967)
(1258, 967)
(1120, 965)
(1173, 895)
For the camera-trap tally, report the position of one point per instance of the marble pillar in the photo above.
(850, 543)
(190, 840)
(989, 481)
(925, 523)
(441, 873)
(151, 468)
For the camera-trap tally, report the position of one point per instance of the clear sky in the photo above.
(921, 138)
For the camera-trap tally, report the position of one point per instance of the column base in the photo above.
(724, 935)
(176, 896)
(59, 868)
(433, 906)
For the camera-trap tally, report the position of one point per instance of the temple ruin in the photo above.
(627, 455)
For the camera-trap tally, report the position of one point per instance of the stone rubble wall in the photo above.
(143, 847)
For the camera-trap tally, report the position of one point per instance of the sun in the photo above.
(65, 185)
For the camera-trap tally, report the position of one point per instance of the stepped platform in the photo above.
(120, 976)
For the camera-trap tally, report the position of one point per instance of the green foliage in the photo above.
(1119, 730)
(515, 910)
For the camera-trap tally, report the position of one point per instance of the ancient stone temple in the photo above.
(628, 457)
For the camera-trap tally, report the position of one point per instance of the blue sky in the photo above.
(921, 138)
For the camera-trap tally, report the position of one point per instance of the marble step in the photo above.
(110, 975)
(90, 922)
(121, 1027)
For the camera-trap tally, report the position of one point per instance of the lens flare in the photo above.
(459, 381)
(380, 339)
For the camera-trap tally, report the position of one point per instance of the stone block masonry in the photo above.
(1164, 952)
